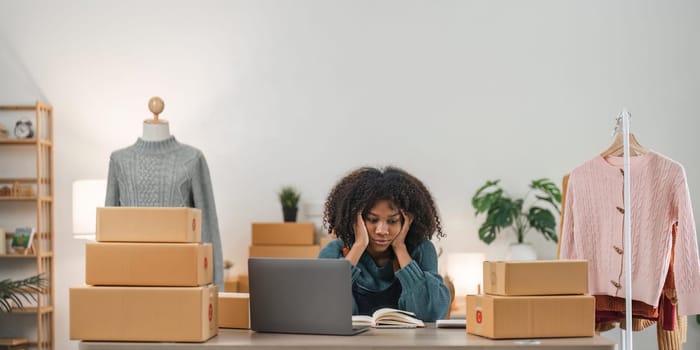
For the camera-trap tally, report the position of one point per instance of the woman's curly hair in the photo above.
(363, 188)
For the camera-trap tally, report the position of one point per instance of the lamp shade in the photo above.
(87, 196)
(466, 271)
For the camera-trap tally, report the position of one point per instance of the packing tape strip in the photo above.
(479, 316)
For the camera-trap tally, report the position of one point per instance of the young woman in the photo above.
(384, 220)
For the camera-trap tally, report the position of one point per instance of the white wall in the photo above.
(300, 92)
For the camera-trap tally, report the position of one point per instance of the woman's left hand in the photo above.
(400, 239)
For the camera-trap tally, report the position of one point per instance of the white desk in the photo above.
(421, 338)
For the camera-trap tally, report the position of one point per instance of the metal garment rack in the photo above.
(626, 335)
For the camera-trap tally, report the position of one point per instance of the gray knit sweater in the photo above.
(166, 174)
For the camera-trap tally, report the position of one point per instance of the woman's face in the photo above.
(383, 223)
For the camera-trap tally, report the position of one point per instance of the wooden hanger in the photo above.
(616, 149)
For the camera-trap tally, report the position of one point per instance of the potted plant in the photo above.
(14, 293)
(521, 214)
(228, 264)
(289, 198)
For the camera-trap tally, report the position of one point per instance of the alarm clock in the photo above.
(24, 129)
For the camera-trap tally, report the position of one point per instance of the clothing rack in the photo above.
(626, 336)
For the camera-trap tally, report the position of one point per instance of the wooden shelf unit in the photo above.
(28, 256)
(33, 310)
(43, 244)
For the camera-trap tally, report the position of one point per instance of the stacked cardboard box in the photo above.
(326, 239)
(283, 240)
(149, 278)
(535, 299)
(234, 310)
(277, 240)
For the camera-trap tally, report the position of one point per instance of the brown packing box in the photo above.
(243, 284)
(288, 233)
(500, 317)
(284, 251)
(168, 314)
(148, 224)
(151, 264)
(546, 277)
(231, 285)
(325, 240)
(234, 310)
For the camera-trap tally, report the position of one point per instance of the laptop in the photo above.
(308, 296)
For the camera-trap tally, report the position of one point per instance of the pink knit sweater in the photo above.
(593, 228)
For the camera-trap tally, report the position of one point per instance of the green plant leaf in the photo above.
(12, 292)
(501, 212)
(517, 208)
(482, 201)
(5, 306)
(488, 230)
(551, 201)
(543, 221)
(499, 216)
(521, 214)
(548, 187)
(15, 298)
(289, 197)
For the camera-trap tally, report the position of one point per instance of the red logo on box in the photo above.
(194, 222)
(479, 316)
(206, 263)
(211, 312)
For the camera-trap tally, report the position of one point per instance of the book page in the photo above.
(388, 316)
(388, 310)
(361, 320)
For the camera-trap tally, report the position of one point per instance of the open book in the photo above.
(388, 318)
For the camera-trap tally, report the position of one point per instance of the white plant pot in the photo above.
(521, 252)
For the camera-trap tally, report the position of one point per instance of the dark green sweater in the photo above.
(421, 290)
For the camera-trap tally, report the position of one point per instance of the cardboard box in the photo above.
(288, 233)
(234, 310)
(148, 264)
(553, 277)
(326, 239)
(149, 224)
(168, 314)
(231, 285)
(284, 251)
(500, 317)
(243, 284)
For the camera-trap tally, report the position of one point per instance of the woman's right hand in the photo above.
(361, 241)
(361, 235)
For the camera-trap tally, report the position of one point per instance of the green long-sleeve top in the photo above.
(422, 289)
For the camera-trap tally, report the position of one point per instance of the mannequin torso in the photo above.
(155, 131)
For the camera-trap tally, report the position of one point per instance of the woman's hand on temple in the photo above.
(400, 239)
(361, 241)
(361, 235)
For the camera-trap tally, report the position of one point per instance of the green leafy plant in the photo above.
(503, 211)
(17, 292)
(228, 264)
(289, 197)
